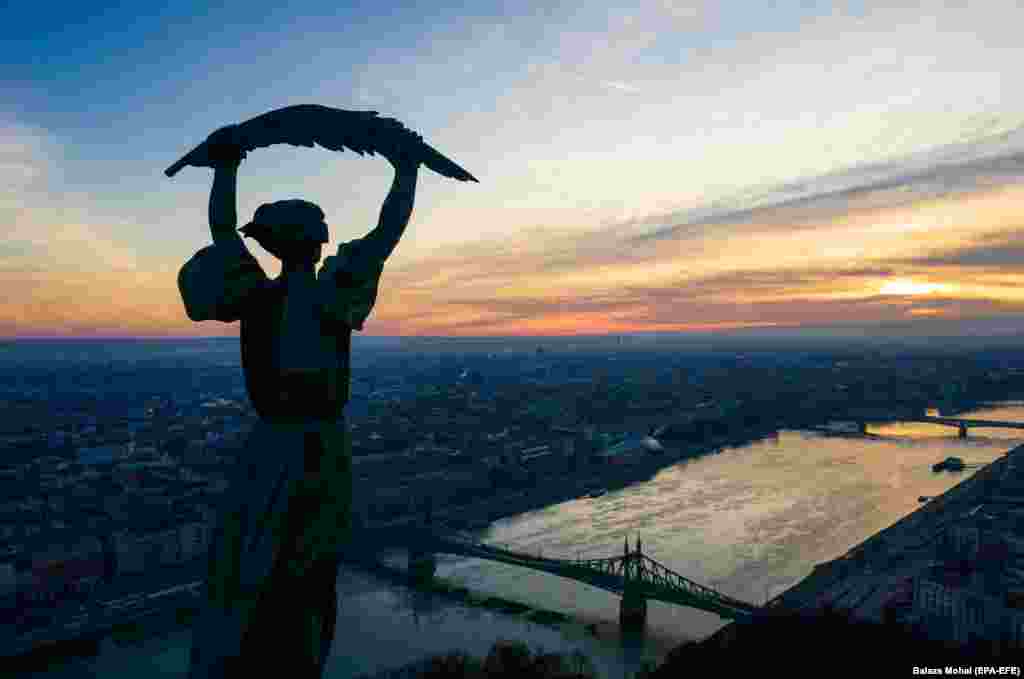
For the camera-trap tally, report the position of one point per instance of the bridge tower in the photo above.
(633, 607)
(422, 561)
(963, 430)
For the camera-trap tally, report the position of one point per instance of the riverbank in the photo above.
(69, 652)
(74, 631)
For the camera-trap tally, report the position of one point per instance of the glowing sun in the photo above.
(904, 286)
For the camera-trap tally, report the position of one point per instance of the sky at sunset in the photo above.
(645, 167)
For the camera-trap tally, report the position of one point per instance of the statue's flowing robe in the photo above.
(287, 512)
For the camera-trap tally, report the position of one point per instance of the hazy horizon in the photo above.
(830, 338)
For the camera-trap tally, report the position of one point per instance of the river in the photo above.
(749, 521)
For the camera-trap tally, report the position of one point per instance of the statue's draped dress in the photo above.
(287, 511)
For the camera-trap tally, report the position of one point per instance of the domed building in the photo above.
(632, 447)
(651, 445)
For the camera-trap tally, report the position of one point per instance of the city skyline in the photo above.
(673, 168)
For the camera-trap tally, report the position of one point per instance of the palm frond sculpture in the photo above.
(332, 128)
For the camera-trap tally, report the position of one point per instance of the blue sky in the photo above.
(593, 130)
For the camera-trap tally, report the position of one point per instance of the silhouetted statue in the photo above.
(274, 554)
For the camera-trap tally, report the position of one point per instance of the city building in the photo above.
(948, 611)
(100, 454)
(62, 563)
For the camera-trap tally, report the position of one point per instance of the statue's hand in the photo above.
(221, 149)
(405, 153)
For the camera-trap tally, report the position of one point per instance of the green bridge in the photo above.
(634, 576)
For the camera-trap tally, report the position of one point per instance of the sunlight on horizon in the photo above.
(903, 286)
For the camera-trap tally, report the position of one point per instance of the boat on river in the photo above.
(953, 464)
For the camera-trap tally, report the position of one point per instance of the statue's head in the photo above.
(293, 230)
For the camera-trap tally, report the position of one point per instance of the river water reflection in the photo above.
(749, 521)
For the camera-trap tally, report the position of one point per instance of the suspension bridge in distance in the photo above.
(962, 424)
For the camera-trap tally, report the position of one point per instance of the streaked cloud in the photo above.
(620, 86)
(1002, 251)
(949, 170)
